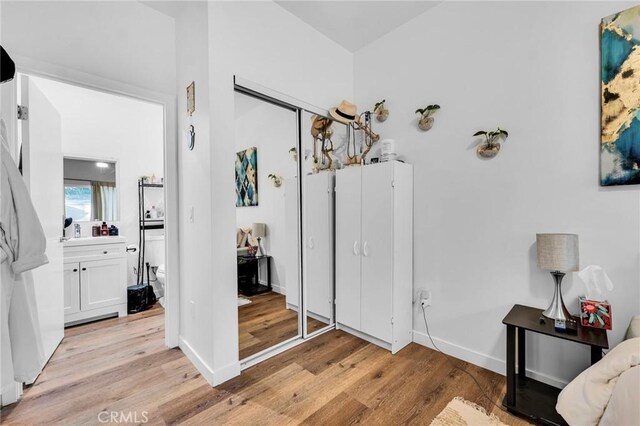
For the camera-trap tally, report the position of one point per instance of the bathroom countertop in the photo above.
(89, 241)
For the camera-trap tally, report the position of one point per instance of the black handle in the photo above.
(75, 270)
(105, 252)
(84, 269)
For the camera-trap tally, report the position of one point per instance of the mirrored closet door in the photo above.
(267, 221)
(286, 155)
(322, 142)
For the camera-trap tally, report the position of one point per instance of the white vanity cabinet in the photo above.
(95, 278)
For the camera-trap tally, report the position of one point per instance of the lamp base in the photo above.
(556, 309)
(260, 251)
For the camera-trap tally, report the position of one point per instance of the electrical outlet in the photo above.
(425, 298)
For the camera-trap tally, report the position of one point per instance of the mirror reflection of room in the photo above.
(267, 224)
(324, 143)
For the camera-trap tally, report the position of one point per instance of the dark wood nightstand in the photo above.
(527, 397)
(249, 275)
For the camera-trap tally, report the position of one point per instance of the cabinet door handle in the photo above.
(355, 248)
(84, 269)
(75, 270)
(105, 252)
(365, 248)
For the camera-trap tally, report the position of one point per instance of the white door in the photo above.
(319, 260)
(377, 250)
(102, 283)
(42, 169)
(71, 288)
(348, 245)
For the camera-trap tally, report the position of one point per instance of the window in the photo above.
(77, 201)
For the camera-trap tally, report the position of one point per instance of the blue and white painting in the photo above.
(620, 79)
(247, 177)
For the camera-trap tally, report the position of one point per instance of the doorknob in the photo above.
(355, 248)
(365, 248)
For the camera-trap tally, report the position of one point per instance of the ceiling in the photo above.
(354, 24)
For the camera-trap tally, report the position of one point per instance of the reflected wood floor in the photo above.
(121, 365)
(266, 321)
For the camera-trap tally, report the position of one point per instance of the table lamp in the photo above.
(557, 253)
(259, 231)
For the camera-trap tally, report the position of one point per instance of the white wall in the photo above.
(533, 69)
(123, 41)
(109, 127)
(197, 295)
(273, 131)
(261, 42)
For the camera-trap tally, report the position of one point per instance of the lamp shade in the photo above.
(259, 230)
(558, 252)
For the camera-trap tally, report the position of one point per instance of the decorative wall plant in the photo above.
(275, 180)
(380, 111)
(490, 147)
(426, 116)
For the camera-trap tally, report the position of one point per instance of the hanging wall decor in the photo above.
(247, 177)
(490, 147)
(275, 180)
(426, 116)
(380, 111)
(620, 98)
(191, 98)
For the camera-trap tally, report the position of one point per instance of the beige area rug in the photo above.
(243, 301)
(460, 412)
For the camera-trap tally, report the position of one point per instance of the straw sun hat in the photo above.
(345, 113)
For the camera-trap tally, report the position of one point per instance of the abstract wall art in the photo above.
(247, 178)
(620, 97)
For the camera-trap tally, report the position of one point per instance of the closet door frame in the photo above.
(258, 91)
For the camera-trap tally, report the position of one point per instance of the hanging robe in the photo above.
(22, 248)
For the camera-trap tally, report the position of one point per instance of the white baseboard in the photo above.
(482, 360)
(280, 289)
(214, 378)
(10, 394)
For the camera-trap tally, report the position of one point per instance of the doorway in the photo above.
(84, 154)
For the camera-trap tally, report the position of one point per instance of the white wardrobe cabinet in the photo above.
(318, 233)
(374, 253)
(95, 278)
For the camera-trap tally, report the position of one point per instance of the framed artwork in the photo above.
(620, 98)
(191, 98)
(247, 177)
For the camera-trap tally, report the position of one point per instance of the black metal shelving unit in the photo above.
(145, 225)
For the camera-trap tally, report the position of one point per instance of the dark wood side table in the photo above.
(527, 397)
(249, 275)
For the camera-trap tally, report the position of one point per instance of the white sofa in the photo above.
(608, 392)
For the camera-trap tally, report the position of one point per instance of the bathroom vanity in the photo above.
(95, 278)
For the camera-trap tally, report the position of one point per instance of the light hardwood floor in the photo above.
(122, 366)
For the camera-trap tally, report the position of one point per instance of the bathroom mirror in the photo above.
(90, 192)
